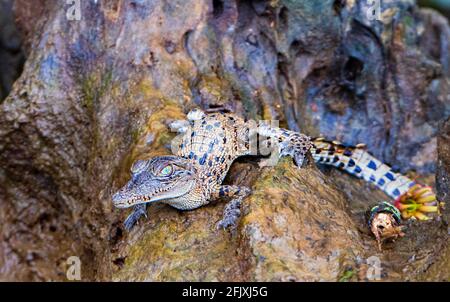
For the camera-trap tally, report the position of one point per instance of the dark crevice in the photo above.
(217, 8)
(116, 236)
(193, 83)
(352, 69)
(120, 262)
(186, 42)
(260, 7)
(285, 88)
(338, 5)
(283, 18)
(297, 48)
(12, 57)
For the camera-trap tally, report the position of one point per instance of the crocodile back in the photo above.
(213, 143)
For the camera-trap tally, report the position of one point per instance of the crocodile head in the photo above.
(159, 178)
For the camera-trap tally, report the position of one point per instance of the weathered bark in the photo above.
(97, 94)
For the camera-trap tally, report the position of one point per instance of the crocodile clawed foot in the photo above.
(138, 211)
(299, 159)
(231, 214)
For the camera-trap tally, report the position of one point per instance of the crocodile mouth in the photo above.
(157, 179)
(120, 202)
(126, 198)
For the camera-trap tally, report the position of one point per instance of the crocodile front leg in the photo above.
(138, 211)
(232, 210)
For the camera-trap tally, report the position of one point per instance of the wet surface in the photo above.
(98, 93)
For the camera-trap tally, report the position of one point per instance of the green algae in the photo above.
(93, 87)
(347, 276)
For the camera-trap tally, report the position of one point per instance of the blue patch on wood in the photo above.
(381, 182)
(396, 192)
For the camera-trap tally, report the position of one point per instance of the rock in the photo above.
(443, 164)
(287, 246)
(99, 93)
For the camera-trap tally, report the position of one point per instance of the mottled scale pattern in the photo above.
(208, 145)
(357, 161)
(212, 143)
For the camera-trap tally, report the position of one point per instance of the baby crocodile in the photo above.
(208, 146)
(194, 175)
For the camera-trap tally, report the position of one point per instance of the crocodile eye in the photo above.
(139, 166)
(166, 171)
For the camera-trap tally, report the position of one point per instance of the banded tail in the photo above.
(411, 198)
(357, 161)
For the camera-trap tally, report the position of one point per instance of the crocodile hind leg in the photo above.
(232, 210)
(138, 211)
(287, 142)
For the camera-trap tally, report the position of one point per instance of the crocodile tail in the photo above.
(357, 161)
(412, 199)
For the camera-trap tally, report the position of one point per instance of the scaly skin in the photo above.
(208, 146)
